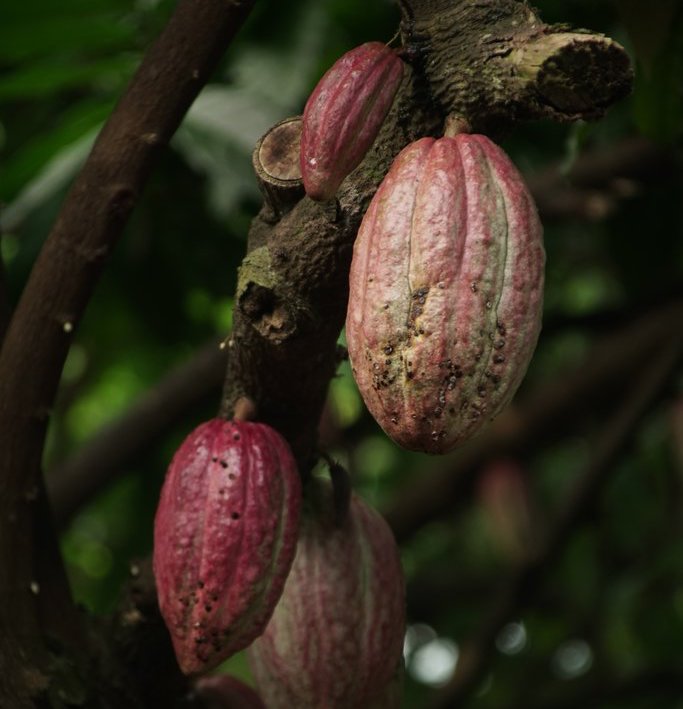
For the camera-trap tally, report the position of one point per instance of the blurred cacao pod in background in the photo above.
(336, 636)
(508, 508)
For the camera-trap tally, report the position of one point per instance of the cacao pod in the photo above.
(224, 538)
(446, 290)
(227, 692)
(336, 636)
(344, 114)
(508, 508)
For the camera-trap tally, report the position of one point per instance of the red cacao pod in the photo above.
(336, 636)
(227, 692)
(446, 290)
(344, 114)
(224, 538)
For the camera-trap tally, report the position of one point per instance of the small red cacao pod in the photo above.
(446, 290)
(224, 538)
(227, 692)
(336, 636)
(344, 114)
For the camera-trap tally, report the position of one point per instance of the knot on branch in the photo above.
(267, 313)
(264, 300)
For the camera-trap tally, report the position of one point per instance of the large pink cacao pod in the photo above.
(446, 291)
(224, 538)
(336, 637)
(344, 114)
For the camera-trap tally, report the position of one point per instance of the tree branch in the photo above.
(538, 417)
(659, 685)
(59, 287)
(614, 441)
(599, 180)
(78, 479)
(493, 62)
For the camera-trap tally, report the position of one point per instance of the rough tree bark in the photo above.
(491, 62)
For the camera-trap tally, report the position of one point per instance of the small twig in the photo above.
(245, 410)
(523, 582)
(341, 488)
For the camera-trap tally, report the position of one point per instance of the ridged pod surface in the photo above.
(344, 114)
(446, 291)
(224, 538)
(336, 636)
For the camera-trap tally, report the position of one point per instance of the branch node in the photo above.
(121, 201)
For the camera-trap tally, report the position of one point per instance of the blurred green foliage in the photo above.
(613, 603)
